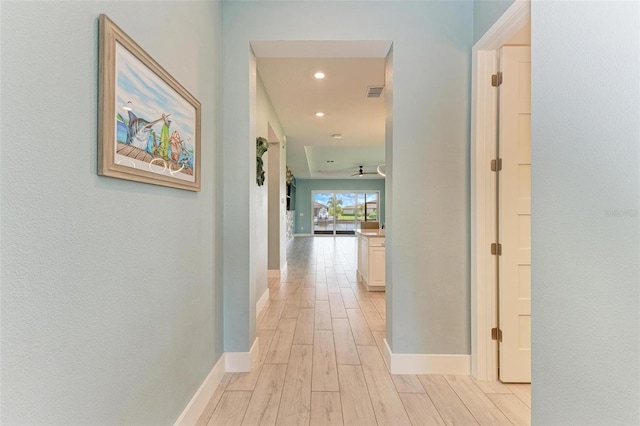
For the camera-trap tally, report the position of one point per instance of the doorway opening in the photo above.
(500, 201)
(279, 71)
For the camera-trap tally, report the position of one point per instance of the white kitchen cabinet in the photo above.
(371, 259)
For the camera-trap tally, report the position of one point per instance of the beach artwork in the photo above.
(149, 126)
(154, 125)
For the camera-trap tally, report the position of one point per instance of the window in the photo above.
(339, 212)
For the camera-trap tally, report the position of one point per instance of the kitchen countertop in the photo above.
(371, 233)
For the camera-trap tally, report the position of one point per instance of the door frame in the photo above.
(484, 308)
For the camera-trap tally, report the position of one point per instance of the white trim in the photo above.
(427, 363)
(387, 354)
(273, 273)
(201, 398)
(254, 353)
(240, 362)
(483, 202)
(511, 21)
(277, 273)
(262, 302)
(484, 351)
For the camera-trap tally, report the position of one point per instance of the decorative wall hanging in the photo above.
(261, 147)
(148, 124)
(289, 176)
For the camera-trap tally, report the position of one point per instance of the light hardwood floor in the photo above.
(321, 363)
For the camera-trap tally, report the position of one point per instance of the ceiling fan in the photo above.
(361, 172)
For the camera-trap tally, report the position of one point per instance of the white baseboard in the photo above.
(201, 398)
(273, 273)
(387, 354)
(240, 362)
(229, 362)
(277, 273)
(427, 363)
(262, 302)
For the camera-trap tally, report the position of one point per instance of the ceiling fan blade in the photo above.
(361, 172)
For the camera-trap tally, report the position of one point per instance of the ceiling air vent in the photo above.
(374, 91)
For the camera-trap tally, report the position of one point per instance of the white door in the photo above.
(515, 215)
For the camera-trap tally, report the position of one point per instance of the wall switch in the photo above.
(301, 214)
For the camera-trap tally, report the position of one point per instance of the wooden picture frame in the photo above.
(148, 124)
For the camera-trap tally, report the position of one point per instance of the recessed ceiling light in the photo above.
(319, 114)
(319, 75)
(336, 136)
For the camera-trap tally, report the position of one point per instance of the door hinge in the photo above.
(496, 334)
(496, 165)
(496, 79)
(496, 249)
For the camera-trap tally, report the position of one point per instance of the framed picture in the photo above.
(148, 124)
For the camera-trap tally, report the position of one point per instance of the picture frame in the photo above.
(148, 123)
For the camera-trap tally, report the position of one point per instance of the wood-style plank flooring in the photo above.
(321, 363)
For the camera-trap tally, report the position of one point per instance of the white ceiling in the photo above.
(296, 96)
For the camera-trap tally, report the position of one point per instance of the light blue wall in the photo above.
(429, 250)
(111, 297)
(103, 321)
(303, 196)
(585, 132)
(270, 194)
(485, 14)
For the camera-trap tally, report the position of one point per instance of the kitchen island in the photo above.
(371, 258)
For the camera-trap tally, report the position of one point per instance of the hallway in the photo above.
(320, 363)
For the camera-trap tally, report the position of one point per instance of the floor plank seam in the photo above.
(465, 404)
(319, 293)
